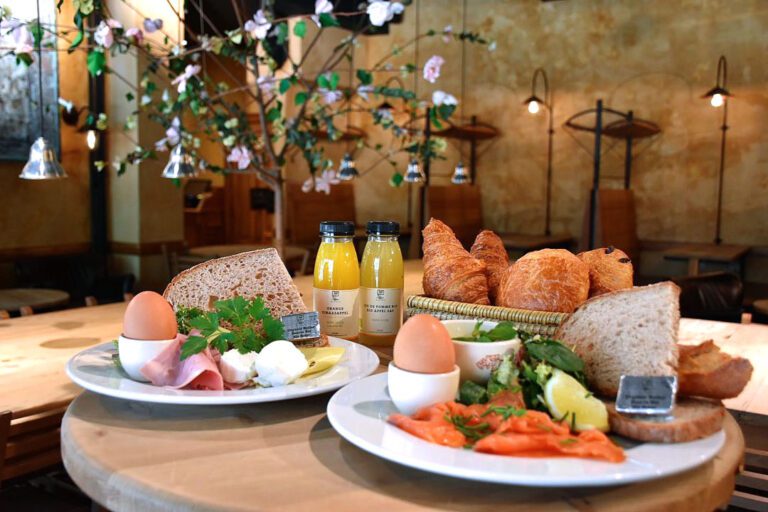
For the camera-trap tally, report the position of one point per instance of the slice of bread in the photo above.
(692, 418)
(704, 370)
(626, 332)
(249, 274)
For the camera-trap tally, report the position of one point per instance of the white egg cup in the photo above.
(478, 359)
(411, 391)
(134, 354)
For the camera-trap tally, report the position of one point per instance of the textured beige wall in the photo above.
(655, 57)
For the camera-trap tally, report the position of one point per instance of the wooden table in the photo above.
(217, 251)
(695, 254)
(13, 299)
(285, 456)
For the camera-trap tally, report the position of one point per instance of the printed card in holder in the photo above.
(646, 395)
(301, 326)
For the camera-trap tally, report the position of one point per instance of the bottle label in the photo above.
(381, 310)
(338, 310)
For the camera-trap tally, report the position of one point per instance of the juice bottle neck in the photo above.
(335, 239)
(382, 238)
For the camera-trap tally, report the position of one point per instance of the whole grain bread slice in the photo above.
(704, 370)
(692, 418)
(250, 274)
(626, 332)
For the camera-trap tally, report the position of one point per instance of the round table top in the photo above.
(13, 299)
(132, 456)
(218, 251)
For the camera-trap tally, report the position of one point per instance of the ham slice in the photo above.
(198, 371)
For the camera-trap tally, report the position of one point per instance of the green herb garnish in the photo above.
(502, 331)
(183, 317)
(247, 326)
(473, 432)
(505, 411)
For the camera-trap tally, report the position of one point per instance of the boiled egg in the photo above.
(279, 363)
(149, 317)
(423, 345)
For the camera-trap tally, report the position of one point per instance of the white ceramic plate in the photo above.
(94, 370)
(359, 411)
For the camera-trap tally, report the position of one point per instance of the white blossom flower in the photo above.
(153, 25)
(363, 91)
(432, 68)
(380, 12)
(267, 85)
(321, 183)
(190, 71)
(146, 99)
(330, 96)
(172, 136)
(443, 98)
(103, 35)
(447, 32)
(20, 34)
(241, 156)
(321, 7)
(259, 26)
(136, 34)
(492, 46)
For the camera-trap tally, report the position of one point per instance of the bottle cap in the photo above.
(337, 228)
(383, 227)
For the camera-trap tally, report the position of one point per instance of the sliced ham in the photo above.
(198, 371)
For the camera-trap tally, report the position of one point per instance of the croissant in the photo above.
(450, 273)
(489, 249)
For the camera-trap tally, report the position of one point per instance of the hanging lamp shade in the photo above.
(414, 174)
(460, 175)
(180, 164)
(42, 163)
(347, 169)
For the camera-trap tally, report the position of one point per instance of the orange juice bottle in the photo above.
(381, 285)
(337, 280)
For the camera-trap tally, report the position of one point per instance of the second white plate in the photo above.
(94, 370)
(359, 412)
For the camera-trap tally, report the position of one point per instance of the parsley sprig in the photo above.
(245, 325)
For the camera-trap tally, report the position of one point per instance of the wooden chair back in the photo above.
(30, 439)
(458, 206)
(4, 315)
(26, 311)
(616, 223)
(305, 211)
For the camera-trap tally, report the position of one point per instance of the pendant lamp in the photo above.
(180, 164)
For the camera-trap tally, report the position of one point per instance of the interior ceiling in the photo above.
(222, 15)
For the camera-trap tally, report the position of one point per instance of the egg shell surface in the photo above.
(149, 317)
(423, 345)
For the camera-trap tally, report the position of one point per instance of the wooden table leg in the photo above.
(693, 266)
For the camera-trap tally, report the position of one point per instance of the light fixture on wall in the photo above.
(718, 97)
(534, 104)
(180, 164)
(414, 174)
(347, 169)
(460, 175)
(42, 163)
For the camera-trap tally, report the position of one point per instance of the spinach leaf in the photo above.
(556, 354)
(472, 393)
(503, 331)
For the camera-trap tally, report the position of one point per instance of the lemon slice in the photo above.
(565, 396)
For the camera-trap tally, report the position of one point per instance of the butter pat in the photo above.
(237, 368)
(279, 363)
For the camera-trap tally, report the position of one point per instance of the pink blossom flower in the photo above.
(241, 156)
(432, 68)
(172, 136)
(321, 183)
(363, 91)
(103, 35)
(136, 34)
(380, 12)
(152, 25)
(330, 96)
(258, 26)
(447, 32)
(190, 71)
(321, 7)
(266, 84)
(443, 98)
(20, 34)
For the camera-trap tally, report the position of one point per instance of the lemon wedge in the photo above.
(566, 397)
(320, 358)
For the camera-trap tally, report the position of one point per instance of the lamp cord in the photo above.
(40, 68)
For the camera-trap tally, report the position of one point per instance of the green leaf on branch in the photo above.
(334, 81)
(300, 29)
(96, 62)
(446, 111)
(327, 20)
(282, 33)
(273, 114)
(285, 84)
(301, 98)
(365, 77)
(323, 82)
(24, 58)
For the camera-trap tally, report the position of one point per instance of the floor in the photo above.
(53, 491)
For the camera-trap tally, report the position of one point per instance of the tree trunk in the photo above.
(279, 240)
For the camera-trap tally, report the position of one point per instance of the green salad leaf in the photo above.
(502, 331)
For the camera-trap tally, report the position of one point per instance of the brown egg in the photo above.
(423, 345)
(149, 317)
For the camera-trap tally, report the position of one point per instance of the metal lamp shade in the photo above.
(460, 175)
(413, 173)
(42, 163)
(347, 169)
(180, 164)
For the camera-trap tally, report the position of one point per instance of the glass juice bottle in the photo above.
(337, 280)
(381, 285)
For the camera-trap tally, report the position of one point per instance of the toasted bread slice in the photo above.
(692, 418)
(704, 370)
(249, 274)
(626, 332)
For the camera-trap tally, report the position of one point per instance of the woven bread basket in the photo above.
(534, 322)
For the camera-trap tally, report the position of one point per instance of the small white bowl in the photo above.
(478, 359)
(410, 391)
(136, 353)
